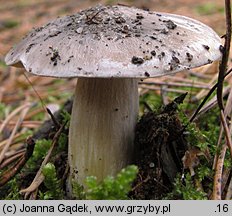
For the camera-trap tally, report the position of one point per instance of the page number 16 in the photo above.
(222, 208)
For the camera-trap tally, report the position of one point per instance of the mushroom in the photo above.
(109, 48)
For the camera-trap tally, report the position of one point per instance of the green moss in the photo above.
(66, 117)
(228, 160)
(204, 172)
(62, 142)
(41, 148)
(10, 23)
(11, 191)
(151, 99)
(52, 183)
(2, 64)
(110, 188)
(3, 109)
(185, 189)
(78, 191)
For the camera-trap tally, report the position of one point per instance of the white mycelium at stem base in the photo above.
(102, 127)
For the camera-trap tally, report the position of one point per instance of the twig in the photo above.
(147, 106)
(204, 92)
(158, 89)
(37, 94)
(217, 192)
(56, 123)
(3, 143)
(225, 56)
(227, 111)
(202, 103)
(206, 98)
(217, 147)
(12, 159)
(183, 80)
(39, 176)
(213, 102)
(13, 170)
(19, 122)
(225, 180)
(227, 132)
(14, 153)
(28, 124)
(229, 191)
(42, 103)
(11, 115)
(201, 75)
(164, 97)
(176, 84)
(219, 159)
(140, 183)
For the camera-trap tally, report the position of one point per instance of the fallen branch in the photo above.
(227, 132)
(225, 56)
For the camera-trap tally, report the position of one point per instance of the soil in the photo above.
(161, 146)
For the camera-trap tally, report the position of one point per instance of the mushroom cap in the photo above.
(116, 41)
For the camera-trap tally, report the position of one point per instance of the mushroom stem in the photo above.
(102, 127)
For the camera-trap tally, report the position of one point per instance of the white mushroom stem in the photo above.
(102, 127)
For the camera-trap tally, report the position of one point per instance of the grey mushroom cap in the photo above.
(116, 41)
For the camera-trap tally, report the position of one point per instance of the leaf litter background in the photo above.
(21, 112)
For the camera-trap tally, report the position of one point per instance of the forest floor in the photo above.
(18, 17)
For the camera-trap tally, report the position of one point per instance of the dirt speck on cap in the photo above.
(137, 60)
(189, 56)
(55, 56)
(170, 24)
(206, 46)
